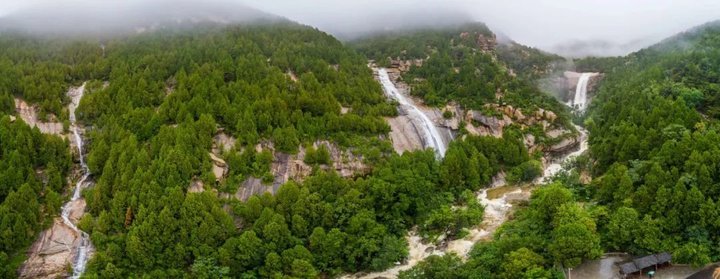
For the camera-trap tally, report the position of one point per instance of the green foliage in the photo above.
(319, 156)
(447, 266)
(553, 231)
(654, 136)
(26, 156)
(169, 91)
(459, 64)
(528, 62)
(525, 172)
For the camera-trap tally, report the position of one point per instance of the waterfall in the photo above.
(580, 99)
(579, 104)
(428, 131)
(83, 248)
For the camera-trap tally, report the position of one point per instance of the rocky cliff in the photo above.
(285, 167)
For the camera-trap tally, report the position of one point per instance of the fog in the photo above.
(60, 17)
(568, 27)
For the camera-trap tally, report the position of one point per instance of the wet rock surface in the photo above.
(53, 252)
(407, 133)
(49, 257)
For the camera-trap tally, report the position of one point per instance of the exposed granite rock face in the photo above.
(405, 65)
(28, 113)
(568, 140)
(222, 143)
(50, 256)
(196, 186)
(564, 145)
(403, 133)
(220, 168)
(478, 123)
(53, 252)
(493, 124)
(483, 42)
(286, 167)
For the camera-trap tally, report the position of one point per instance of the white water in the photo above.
(556, 165)
(580, 100)
(428, 131)
(579, 104)
(84, 246)
(496, 210)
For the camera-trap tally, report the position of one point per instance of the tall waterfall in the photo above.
(580, 99)
(83, 248)
(579, 104)
(428, 131)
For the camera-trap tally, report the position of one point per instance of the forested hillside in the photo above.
(33, 172)
(654, 149)
(465, 64)
(153, 103)
(654, 137)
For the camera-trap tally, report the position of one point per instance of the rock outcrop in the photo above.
(49, 257)
(287, 167)
(54, 250)
(219, 168)
(28, 113)
(398, 64)
(483, 42)
(566, 140)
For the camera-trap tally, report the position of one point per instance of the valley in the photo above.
(225, 146)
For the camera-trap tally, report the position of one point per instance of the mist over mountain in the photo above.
(584, 48)
(569, 28)
(102, 17)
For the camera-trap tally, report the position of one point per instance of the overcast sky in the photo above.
(616, 25)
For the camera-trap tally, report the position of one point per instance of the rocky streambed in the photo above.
(64, 244)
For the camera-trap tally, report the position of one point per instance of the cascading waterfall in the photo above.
(428, 130)
(580, 99)
(579, 104)
(84, 246)
(496, 210)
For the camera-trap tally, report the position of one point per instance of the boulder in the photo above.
(564, 145)
(519, 115)
(219, 168)
(196, 186)
(550, 116)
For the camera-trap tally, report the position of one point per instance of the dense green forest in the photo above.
(465, 64)
(656, 154)
(152, 104)
(653, 153)
(33, 174)
(155, 100)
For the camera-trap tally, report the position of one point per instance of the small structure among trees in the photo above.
(640, 264)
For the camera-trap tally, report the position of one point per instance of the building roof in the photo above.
(663, 257)
(641, 263)
(628, 268)
(646, 261)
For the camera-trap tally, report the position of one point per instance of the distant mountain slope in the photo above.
(465, 63)
(107, 17)
(654, 140)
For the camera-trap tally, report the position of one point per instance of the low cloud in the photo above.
(568, 27)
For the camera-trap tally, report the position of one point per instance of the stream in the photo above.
(496, 210)
(426, 128)
(84, 247)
